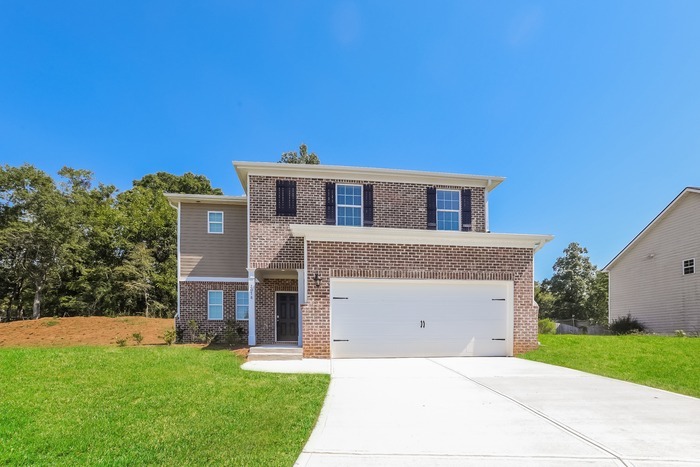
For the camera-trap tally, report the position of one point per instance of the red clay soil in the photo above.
(94, 330)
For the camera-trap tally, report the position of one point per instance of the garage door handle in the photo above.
(498, 339)
(341, 340)
(340, 298)
(498, 299)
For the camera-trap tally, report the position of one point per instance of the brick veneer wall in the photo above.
(265, 317)
(330, 259)
(193, 306)
(396, 205)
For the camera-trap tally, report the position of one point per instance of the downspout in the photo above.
(177, 313)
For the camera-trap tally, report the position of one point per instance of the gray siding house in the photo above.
(655, 278)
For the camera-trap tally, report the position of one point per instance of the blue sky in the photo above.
(590, 109)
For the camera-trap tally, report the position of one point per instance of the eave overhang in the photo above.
(339, 172)
(210, 199)
(334, 233)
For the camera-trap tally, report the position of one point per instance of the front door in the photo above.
(287, 317)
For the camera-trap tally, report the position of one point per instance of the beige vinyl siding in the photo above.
(648, 280)
(213, 255)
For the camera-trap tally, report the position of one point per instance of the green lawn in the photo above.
(150, 405)
(670, 363)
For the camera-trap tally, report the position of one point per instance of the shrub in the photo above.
(626, 325)
(546, 326)
(138, 337)
(179, 334)
(234, 333)
(193, 328)
(121, 341)
(681, 333)
(169, 336)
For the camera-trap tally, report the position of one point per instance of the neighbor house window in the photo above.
(215, 305)
(349, 205)
(286, 198)
(241, 305)
(447, 209)
(216, 222)
(689, 266)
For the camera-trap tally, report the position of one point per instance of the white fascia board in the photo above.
(650, 226)
(213, 199)
(368, 174)
(214, 279)
(334, 233)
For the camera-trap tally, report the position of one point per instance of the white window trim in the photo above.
(247, 306)
(362, 203)
(684, 266)
(459, 210)
(209, 318)
(209, 222)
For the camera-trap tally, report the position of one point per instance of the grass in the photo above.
(669, 363)
(150, 405)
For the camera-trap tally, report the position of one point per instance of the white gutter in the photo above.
(334, 233)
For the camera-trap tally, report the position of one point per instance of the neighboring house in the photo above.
(356, 262)
(655, 278)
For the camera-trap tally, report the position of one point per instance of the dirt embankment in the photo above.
(94, 330)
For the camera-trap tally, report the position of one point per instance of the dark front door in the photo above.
(287, 317)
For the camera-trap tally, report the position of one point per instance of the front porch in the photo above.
(275, 299)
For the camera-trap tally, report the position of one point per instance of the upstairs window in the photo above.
(689, 266)
(216, 222)
(215, 305)
(447, 210)
(286, 198)
(349, 205)
(241, 305)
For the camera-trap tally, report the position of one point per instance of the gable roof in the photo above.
(687, 191)
(361, 173)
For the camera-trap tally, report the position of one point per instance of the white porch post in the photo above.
(301, 287)
(251, 306)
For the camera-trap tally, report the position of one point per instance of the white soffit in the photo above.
(334, 233)
(339, 172)
(210, 199)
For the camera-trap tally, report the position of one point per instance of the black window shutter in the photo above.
(368, 205)
(286, 198)
(330, 203)
(432, 208)
(466, 210)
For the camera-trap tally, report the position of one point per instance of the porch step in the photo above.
(274, 352)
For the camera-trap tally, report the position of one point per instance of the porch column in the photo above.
(251, 306)
(301, 287)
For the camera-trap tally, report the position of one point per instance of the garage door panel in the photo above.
(393, 318)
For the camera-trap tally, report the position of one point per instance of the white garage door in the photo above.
(420, 318)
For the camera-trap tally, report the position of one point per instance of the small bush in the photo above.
(50, 323)
(169, 336)
(138, 337)
(121, 341)
(179, 334)
(546, 326)
(194, 329)
(234, 333)
(681, 333)
(626, 325)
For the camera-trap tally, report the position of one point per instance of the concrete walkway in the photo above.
(496, 412)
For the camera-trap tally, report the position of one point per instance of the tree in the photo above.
(572, 285)
(544, 298)
(302, 157)
(597, 303)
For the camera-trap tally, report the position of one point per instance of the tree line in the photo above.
(577, 288)
(71, 246)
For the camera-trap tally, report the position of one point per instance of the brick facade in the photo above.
(193, 306)
(396, 205)
(331, 259)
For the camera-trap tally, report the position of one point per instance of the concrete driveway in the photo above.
(496, 411)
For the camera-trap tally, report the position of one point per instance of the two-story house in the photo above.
(357, 262)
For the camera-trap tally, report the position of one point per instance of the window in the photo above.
(286, 198)
(215, 305)
(241, 305)
(216, 222)
(349, 205)
(447, 210)
(689, 266)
